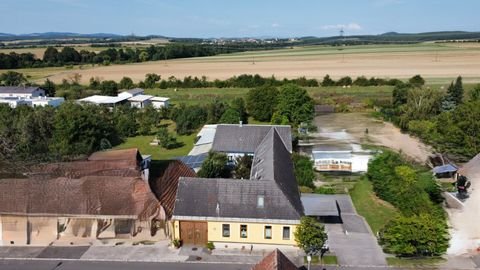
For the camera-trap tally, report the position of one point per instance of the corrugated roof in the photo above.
(90, 195)
(160, 99)
(140, 98)
(97, 99)
(246, 138)
(18, 89)
(275, 261)
(445, 169)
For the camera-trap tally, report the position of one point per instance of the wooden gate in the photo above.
(194, 233)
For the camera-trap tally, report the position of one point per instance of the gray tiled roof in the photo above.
(199, 197)
(135, 91)
(18, 89)
(272, 178)
(246, 138)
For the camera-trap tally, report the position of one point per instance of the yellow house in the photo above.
(262, 210)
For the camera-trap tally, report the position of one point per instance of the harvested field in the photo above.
(437, 62)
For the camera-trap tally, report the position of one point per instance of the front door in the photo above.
(194, 233)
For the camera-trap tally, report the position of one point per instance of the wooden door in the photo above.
(194, 233)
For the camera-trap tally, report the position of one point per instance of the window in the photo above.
(230, 158)
(286, 233)
(260, 201)
(268, 232)
(243, 231)
(226, 230)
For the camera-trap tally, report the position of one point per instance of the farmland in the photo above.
(438, 63)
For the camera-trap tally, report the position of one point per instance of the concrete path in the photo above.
(353, 242)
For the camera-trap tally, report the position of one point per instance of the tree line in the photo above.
(421, 228)
(54, 57)
(447, 120)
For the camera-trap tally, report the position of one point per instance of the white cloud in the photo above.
(275, 25)
(350, 27)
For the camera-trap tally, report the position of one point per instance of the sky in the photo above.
(238, 18)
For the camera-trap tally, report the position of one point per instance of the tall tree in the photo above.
(50, 55)
(310, 235)
(126, 83)
(214, 166)
(12, 78)
(295, 103)
(261, 102)
(455, 91)
(49, 87)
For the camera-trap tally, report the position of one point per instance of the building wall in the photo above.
(255, 233)
(14, 230)
(160, 104)
(43, 230)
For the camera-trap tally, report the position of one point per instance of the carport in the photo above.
(321, 206)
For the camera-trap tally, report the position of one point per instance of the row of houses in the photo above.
(135, 97)
(28, 96)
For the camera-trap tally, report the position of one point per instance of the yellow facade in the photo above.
(255, 233)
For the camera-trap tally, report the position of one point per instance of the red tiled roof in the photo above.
(165, 187)
(122, 154)
(275, 261)
(89, 195)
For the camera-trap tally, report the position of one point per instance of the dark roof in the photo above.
(165, 186)
(18, 89)
(272, 162)
(275, 261)
(320, 205)
(193, 161)
(272, 177)
(246, 138)
(135, 91)
(199, 197)
(448, 168)
(90, 195)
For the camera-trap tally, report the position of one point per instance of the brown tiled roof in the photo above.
(165, 186)
(78, 169)
(122, 154)
(275, 261)
(89, 195)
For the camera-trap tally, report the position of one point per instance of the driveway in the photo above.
(353, 242)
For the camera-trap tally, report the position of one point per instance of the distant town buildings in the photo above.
(341, 158)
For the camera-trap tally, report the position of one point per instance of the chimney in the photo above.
(241, 124)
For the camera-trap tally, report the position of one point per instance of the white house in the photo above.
(14, 102)
(341, 158)
(140, 101)
(47, 101)
(131, 92)
(160, 102)
(21, 92)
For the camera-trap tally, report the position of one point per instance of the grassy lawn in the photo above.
(157, 152)
(327, 259)
(414, 262)
(375, 211)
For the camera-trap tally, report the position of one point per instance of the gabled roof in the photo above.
(231, 198)
(231, 138)
(275, 261)
(272, 162)
(272, 178)
(131, 154)
(165, 186)
(88, 196)
(18, 89)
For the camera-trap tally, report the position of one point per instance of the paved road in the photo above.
(82, 265)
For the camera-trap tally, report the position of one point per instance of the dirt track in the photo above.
(430, 64)
(350, 127)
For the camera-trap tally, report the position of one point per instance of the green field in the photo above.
(376, 211)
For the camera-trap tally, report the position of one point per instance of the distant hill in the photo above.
(55, 35)
(394, 37)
